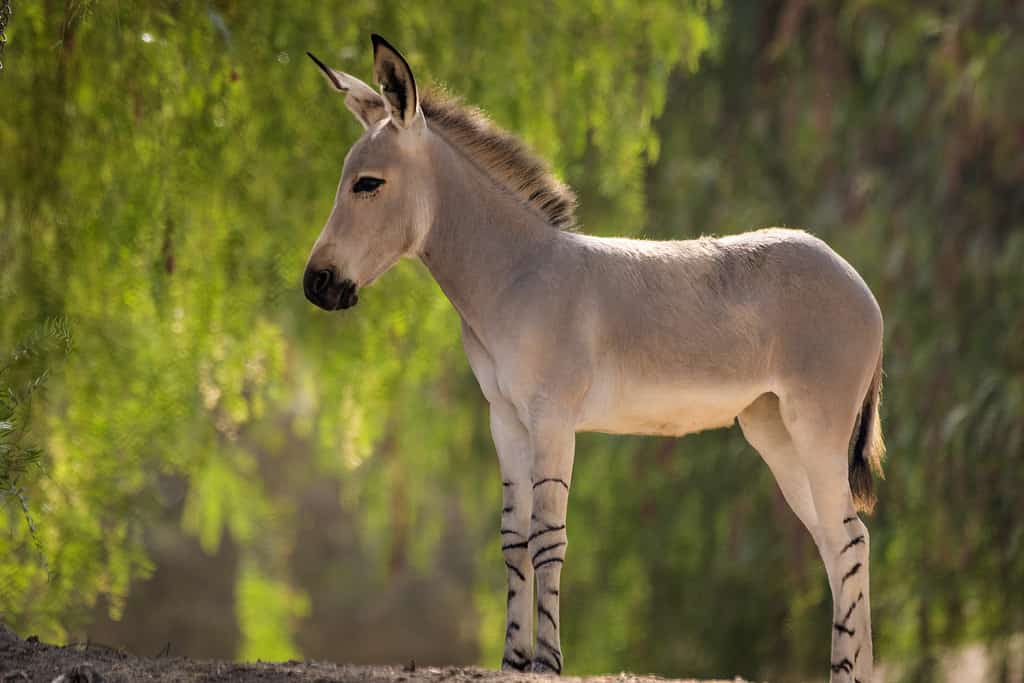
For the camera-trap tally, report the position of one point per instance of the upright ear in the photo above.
(361, 99)
(396, 83)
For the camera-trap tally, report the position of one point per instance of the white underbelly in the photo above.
(667, 409)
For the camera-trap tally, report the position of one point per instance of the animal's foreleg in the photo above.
(551, 477)
(513, 444)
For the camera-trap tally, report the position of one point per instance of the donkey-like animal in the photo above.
(567, 332)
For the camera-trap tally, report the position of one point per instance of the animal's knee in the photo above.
(513, 550)
(856, 545)
(842, 539)
(547, 544)
(517, 504)
(514, 537)
(862, 529)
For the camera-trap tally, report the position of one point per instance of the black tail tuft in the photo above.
(868, 447)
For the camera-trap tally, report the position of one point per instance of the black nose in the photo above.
(322, 281)
(324, 289)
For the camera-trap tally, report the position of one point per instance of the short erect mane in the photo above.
(501, 155)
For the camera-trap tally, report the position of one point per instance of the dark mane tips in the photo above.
(502, 155)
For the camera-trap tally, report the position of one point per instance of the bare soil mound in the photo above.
(31, 660)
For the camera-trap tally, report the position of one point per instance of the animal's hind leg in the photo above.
(851, 625)
(821, 436)
(816, 487)
(763, 428)
(844, 545)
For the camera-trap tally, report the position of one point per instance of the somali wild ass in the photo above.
(567, 332)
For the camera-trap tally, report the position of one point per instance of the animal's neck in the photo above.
(480, 235)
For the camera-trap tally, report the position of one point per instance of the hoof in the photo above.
(543, 666)
(515, 663)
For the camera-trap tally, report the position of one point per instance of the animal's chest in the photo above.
(623, 406)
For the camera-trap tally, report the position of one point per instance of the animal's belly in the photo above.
(664, 409)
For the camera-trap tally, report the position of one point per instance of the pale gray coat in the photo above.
(566, 332)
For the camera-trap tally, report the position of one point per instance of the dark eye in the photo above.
(367, 184)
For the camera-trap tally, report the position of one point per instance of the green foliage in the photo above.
(266, 612)
(885, 129)
(167, 166)
(22, 375)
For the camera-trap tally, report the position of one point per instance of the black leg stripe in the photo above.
(506, 484)
(547, 530)
(845, 631)
(511, 546)
(542, 610)
(550, 560)
(545, 549)
(512, 627)
(552, 649)
(519, 666)
(507, 509)
(516, 570)
(853, 570)
(856, 541)
(845, 665)
(850, 611)
(511, 531)
(850, 519)
(551, 480)
(511, 594)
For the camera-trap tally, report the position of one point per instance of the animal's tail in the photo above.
(868, 446)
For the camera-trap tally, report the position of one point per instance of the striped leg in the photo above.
(845, 541)
(552, 473)
(842, 541)
(817, 489)
(513, 444)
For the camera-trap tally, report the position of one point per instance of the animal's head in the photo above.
(384, 204)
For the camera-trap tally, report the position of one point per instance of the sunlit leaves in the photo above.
(165, 168)
(173, 165)
(267, 609)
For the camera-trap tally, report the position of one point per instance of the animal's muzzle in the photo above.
(324, 289)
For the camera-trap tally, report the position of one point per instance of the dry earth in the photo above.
(31, 660)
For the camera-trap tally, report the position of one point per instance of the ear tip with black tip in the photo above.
(328, 72)
(379, 41)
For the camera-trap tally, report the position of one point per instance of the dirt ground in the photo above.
(31, 660)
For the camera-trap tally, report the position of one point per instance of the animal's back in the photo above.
(690, 332)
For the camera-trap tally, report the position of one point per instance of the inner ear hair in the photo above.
(397, 84)
(394, 88)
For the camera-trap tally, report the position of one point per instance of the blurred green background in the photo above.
(193, 455)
